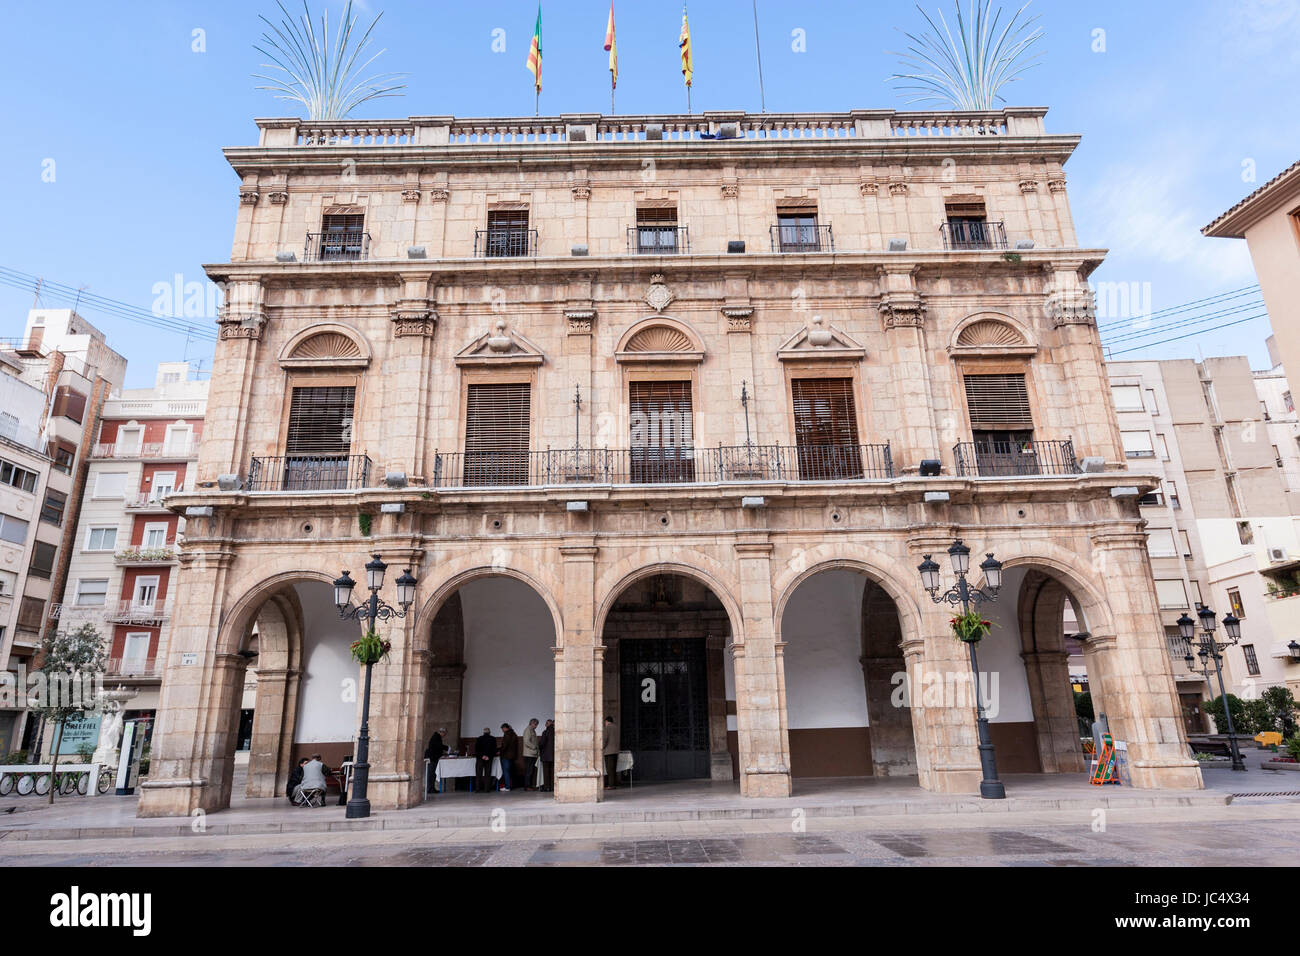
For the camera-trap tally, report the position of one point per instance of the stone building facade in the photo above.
(643, 403)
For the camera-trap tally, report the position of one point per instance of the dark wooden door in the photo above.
(665, 707)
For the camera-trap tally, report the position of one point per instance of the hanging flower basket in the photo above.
(970, 627)
(370, 649)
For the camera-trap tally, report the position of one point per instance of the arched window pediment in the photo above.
(659, 339)
(326, 346)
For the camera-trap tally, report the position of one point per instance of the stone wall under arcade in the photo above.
(410, 335)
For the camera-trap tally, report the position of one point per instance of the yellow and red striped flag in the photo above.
(534, 64)
(684, 41)
(612, 46)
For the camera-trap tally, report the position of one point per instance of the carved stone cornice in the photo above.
(413, 317)
(740, 318)
(1029, 185)
(278, 198)
(581, 190)
(438, 194)
(868, 189)
(730, 190)
(579, 320)
(902, 311)
(241, 325)
(1071, 308)
(248, 195)
(898, 189)
(411, 194)
(1056, 185)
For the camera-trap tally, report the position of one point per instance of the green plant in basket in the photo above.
(970, 627)
(370, 649)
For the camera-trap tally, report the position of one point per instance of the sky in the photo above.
(115, 116)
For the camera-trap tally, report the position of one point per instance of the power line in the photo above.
(1175, 309)
(1195, 320)
(103, 304)
(1188, 335)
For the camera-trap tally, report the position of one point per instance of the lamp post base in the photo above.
(992, 790)
(357, 809)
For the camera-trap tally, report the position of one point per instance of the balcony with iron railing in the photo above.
(147, 502)
(965, 235)
(151, 450)
(137, 668)
(663, 466)
(336, 246)
(309, 473)
(504, 242)
(810, 238)
(1015, 459)
(141, 555)
(132, 611)
(658, 240)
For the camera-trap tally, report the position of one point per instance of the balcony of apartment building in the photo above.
(342, 238)
(171, 450)
(1015, 456)
(507, 235)
(149, 554)
(149, 502)
(129, 669)
(142, 611)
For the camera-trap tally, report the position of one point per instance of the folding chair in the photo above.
(309, 798)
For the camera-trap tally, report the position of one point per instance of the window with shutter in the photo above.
(662, 433)
(497, 418)
(1001, 424)
(656, 229)
(320, 437)
(42, 565)
(70, 404)
(826, 429)
(797, 230)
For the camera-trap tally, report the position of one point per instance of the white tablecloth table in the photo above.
(456, 767)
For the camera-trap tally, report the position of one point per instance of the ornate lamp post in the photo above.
(368, 613)
(962, 593)
(1210, 649)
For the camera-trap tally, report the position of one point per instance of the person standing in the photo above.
(509, 754)
(485, 748)
(532, 751)
(546, 745)
(434, 752)
(610, 751)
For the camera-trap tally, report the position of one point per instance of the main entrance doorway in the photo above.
(665, 712)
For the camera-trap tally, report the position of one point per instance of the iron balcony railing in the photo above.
(801, 238)
(309, 473)
(133, 667)
(658, 240)
(335, 246)
(137, 612)
(643, 466)
(1015, 459)
(152, 449)
(972, 234)
(504, 242)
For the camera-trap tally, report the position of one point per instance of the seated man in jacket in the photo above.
(295, 778)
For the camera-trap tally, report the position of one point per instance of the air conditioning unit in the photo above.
(1277, 554)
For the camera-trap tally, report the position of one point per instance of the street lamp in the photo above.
(1294, 649)
(1208, 649)
(368, 613)
(962, 593)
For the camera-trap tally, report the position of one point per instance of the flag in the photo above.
(684, 41)
(612, 46)
(534, 64)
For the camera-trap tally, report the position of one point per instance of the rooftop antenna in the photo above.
(36, 296)
(77, 302)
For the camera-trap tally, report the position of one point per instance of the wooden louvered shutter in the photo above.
(826, 428)
(998, 403)
(663, 438)
(320, 421)
(496, 434)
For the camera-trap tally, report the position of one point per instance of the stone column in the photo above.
(396, 727)
(446, 688)
(716, 665)
(944, 725)
(1056, 726)
(1140, 698)
(273, 718)
(579, 661)
(764, 744)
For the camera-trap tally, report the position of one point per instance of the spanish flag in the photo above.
(534, 64)
(684, 41)
(612, 46)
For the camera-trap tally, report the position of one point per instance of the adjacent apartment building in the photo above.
(53, 382)
(1224, 522)
(662, 413)
(120, 577)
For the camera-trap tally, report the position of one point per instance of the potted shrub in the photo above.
(370, 649)
(970, 627)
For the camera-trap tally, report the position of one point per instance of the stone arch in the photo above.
(457, 577)
(1091, 608)
(326, 345)
(872, 564)
(991, 330)
(660, 337)
(695, 566)
(237, 624)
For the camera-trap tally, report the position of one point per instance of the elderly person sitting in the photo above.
(313, 780)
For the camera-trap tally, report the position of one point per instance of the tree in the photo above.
(1242, 719)
(1282, 710)
(1083, 710)
(72, 667)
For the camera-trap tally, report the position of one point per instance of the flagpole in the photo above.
(762, 99)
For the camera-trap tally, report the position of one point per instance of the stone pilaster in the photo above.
(764, 744)
(578, 682)
(902, 312)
